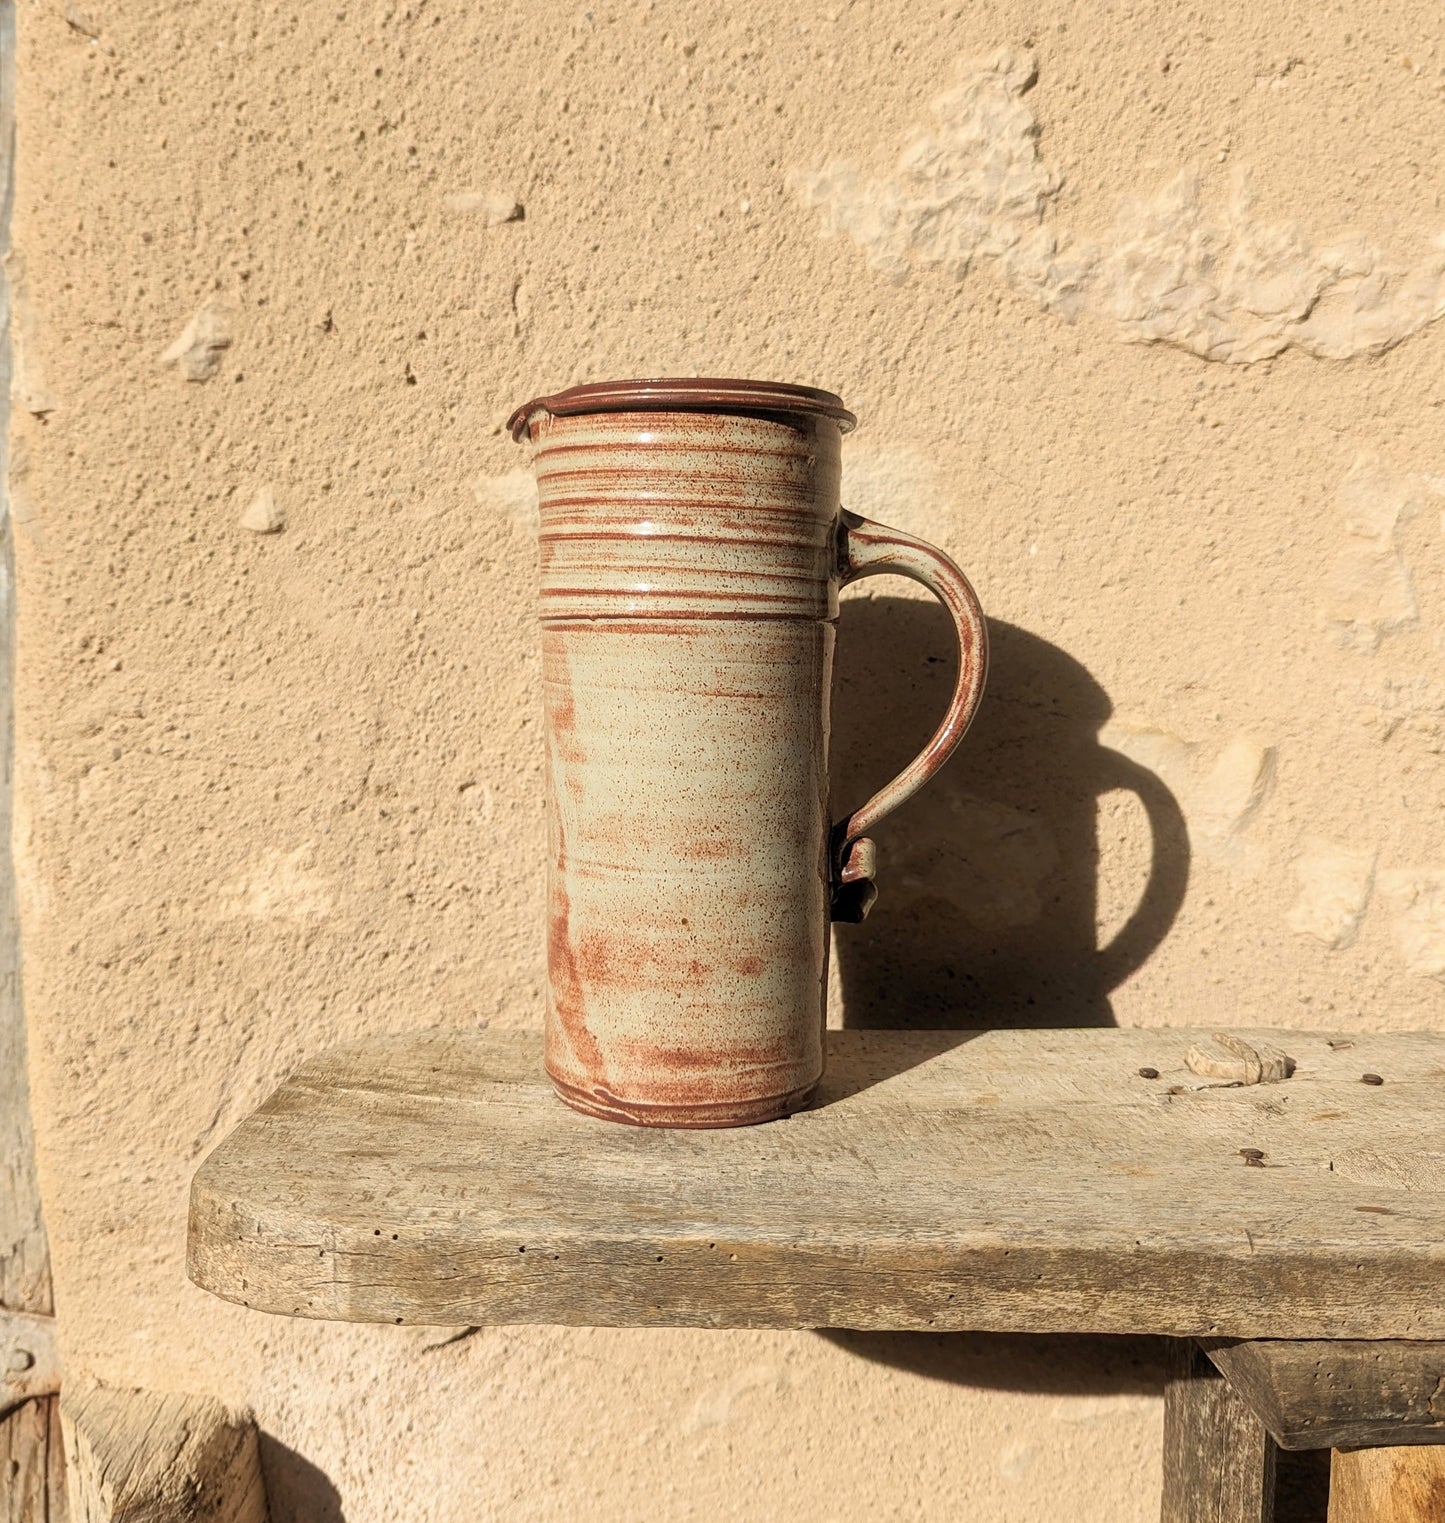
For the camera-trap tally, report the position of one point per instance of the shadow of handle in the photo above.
(1163, 894)
(869, 549)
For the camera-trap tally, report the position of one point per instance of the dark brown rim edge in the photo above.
(686, 394)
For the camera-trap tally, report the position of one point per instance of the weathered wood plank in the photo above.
(1219, 1463)
(141, 1457)
(24, 1252)
(32, 1464)
(1011, 1181)
(1387, 1486)
(32, 1489)
(1341, 1394)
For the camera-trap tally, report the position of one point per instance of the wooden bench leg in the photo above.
(1404, 1485)
(140, 1457)
(1219, 1461)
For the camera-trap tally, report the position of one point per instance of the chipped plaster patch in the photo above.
(495, 208)
(1335, 883)
(201, 344)
(1017, 1459)
(37, 801)
(1223, 285)
(1094, 1409)
(28, 388)
(281, 886)
(898, 485)
(264, 515)
(1416, 897)
(1369, 593)
(972, 187)
(1222, 790)
(512, 497)
(80, 21)
(23, 511)
(1404, 707)
(1228, 286)
(1232, 790)
(719, 1406)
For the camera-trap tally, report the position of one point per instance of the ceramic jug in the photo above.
(692, 548)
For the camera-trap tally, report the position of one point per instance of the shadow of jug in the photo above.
(988, 878)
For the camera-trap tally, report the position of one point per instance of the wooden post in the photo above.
(32, 1485)
(1400, 1485)
(1219, 1461)
(139, 1457)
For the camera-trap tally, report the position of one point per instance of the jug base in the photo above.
(717, 1113)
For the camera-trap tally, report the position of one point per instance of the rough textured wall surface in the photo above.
(1139, 306)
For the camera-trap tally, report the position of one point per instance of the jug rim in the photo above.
(686, 394)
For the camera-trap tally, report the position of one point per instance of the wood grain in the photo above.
(1219, 1463)
(142, 1457)
(1398, 1485)
(1344, 1394)
(32, 1463)
(1011, 1181)
(30, 1454)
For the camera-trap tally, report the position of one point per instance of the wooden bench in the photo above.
(1290, 1235)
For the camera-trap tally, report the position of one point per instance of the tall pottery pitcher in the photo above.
(693, 545)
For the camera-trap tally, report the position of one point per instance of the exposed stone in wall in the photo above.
(1223, 284)
(28, 388)
(972, 188)
(1416, 898)
(1221, 786)
(512, 498)
(198, 349)
(1369, 592)
(264, 515)
(283, 885)
(1334, 888)
(495, 208)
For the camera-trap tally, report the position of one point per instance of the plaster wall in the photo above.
(1139, 307)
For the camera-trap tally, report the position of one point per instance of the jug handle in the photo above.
(869, 549)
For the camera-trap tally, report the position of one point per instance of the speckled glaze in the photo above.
(692, 548)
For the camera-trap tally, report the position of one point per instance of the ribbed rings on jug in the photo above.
(680, 515)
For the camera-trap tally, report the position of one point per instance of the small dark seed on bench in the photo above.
(1371, 1079)
(1148, 1073)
